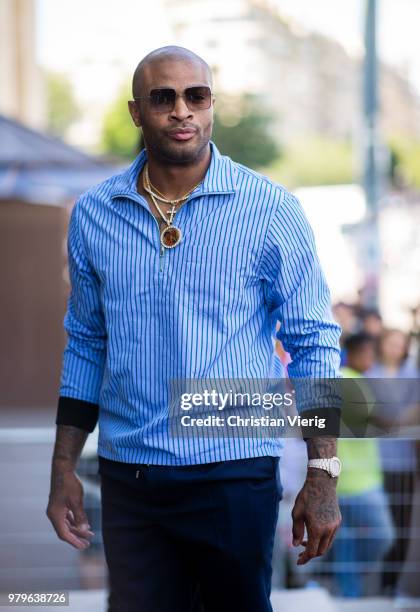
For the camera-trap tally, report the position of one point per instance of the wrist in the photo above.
(321, 447)
(314, 473)
(321, 480)
(329, 465)
(62, 465)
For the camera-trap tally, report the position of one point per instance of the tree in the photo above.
(241, 130)
(315, 160)
(120, 137)
(405, 155)
(62, 108)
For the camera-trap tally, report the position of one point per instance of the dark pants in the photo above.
(400, 487)
(186, 538)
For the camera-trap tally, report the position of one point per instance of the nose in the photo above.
(181, 110)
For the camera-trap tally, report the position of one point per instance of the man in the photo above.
(366, 532)
(180, 267)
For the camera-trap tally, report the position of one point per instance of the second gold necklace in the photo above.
(171, 235)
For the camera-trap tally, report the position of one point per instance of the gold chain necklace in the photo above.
(158, 194)
(171, 235)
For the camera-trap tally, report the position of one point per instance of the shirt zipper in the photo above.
(162, 248)
(161, 257)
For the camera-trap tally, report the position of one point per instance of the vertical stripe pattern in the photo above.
(205, 309)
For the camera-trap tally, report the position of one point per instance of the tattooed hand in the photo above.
(65, 504)
(65, 510)
(316, 505)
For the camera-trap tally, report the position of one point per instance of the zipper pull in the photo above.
(161, 258)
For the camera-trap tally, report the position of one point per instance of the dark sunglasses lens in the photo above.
(198, 97)
(162, 99)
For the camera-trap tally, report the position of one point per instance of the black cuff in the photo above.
(327, 423)
(77, 413)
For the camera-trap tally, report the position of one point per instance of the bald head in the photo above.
(169, 53)
(178, 70)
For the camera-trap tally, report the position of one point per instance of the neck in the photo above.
(175, 180)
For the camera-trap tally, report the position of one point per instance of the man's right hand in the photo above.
(65, 509)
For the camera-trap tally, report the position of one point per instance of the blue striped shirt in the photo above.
(139, 316)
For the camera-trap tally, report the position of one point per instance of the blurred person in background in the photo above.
(408, 586)
(367, 532)
(398, 456)
(345, 315)
(292, 470)
(371, 322)
(292, 474)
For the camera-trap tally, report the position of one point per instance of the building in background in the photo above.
(40, 177)
(312, 86)
(21, 84)
(308, 81)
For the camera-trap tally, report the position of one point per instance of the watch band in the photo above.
(319, 463)
(325, 464)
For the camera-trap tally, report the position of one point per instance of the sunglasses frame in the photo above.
(182, 95)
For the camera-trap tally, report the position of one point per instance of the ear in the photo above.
(134, 112)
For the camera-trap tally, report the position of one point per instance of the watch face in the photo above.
(335, 466)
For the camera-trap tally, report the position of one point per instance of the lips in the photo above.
(182, 133)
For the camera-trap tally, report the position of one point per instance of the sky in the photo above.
(74, 30)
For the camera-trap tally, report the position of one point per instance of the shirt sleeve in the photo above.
(298, 296)
(85, 351)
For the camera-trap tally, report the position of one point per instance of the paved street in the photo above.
(299, 600)
(32, 557)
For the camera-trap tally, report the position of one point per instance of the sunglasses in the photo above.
(163, 100)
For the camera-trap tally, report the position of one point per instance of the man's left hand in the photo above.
(316, 507)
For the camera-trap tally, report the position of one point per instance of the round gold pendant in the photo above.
(170, 237)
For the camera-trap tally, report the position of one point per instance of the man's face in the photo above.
(179, 136)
